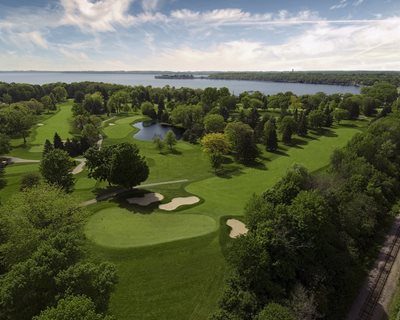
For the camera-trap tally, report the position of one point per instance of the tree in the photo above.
(287, 128)
(216, 145)
(57, 142)
(94, 103)
(94, 281)
(384, 92)
(275, 311)
(55, 168)
(214, 123)
(119, 101)
(241, 138)
(147, 109)
(368, 106)
(30, 180)
(91, 133)
(6, 98)
(158, 142)
(18, 121)
(128, 168)
(253, 118)
(302, 125)
(4, 144)
(352, 105)
(48, 146)
(98, 162)
(170, 139)
(59, 93)
(270, 136)
(72, 308)
(316, 119)
(341, 114)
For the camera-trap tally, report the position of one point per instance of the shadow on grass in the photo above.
(170, 151)
(121, 201)
(229, 171)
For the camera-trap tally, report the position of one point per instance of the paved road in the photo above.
(116, 192)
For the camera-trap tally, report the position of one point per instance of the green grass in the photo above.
(183, 279)
(178, 280)
(227, 195)
(59, 122)
(12, 177)
(122, 127)
(171, 265)
(120, 228)
(52, 122)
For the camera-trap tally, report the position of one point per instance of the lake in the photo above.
(235, 86)
(148, 129)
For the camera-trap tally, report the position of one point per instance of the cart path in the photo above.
(117, 192)
(19, 160)
(372, 302)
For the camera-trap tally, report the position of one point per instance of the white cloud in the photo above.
(357, 3)
(342, 4)
(97, 16)
(322, 47)
(232, 16)
(150, 5)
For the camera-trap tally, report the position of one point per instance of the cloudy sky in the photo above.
(182, 35)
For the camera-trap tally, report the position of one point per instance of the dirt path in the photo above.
(116, 192)
(372, 302)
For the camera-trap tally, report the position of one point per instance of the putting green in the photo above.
(122, 127)
(120, 228)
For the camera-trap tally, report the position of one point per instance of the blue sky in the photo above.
(183, 35)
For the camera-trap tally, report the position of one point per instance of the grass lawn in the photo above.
(122, 127)
(59, 122)
(51, 123)
(183, 279)
(120, 228)
(178, 280)
(171, 265)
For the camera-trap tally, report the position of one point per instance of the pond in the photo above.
(149, 129)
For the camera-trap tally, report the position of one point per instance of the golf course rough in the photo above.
(121, 228)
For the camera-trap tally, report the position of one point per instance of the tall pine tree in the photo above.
(57, 142)
(270, 136)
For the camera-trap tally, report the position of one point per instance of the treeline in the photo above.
(310, 235)
(44, 271)
(362, 78)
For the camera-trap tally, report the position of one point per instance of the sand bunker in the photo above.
(177, 202)
(147, 199)
(40, 124)
(238, 228)
(111, 124)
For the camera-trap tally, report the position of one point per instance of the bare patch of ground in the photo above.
(147, 199)
(238, 228)
(177, 202)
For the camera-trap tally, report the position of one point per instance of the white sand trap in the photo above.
(111, 124)
(177, 202)
(40, 124)
(147, 199)
(238, 228)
